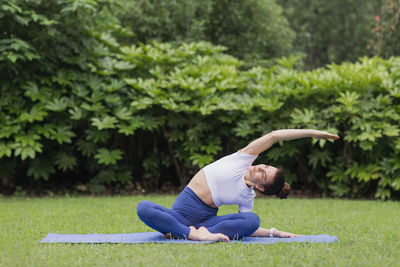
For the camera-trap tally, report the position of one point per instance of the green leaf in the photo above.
(337, 173)
(123, 113)
(5, 150)
(129, 128)
(28, 139)
(383, 193)
(149, 122)
(12, 57)
(57, 104)
(41, 168)
(36, 114)
(112, 99)
(243, 128)
(87, 148)
(143, 103)
(65, 161)
(277, 153)
(123, 65)
(32, 91)
(63, 134)
(349, 100)
(364, 172)
(107, 157)
(96, 107)
(319, 157)
(114, 86)
(340, 189)
(45, 130)
(26, 151)
(397, 142)
(76, 113)
(145, 122)
(305, 117)
(110, 41)
(107, 176)
(8, 131)
(26, 146)
(391, 130)
(201, 159)
(97, 136)
(107, 122)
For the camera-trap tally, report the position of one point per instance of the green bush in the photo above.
(358, 101)
(331, 31)
(48, 54)
(252, 30)
(89, 114)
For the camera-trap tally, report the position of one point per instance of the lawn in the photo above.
(368, 233)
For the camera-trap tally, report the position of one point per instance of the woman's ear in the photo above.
(260, 188)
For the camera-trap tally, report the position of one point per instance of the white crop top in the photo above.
(225, 178)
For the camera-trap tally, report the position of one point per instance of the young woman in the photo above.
(227, 181)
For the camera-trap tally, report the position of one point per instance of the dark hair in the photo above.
(279, 187)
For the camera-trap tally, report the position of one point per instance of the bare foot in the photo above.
(202, 234)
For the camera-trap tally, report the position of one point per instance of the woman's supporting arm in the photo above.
(261, 232)
(265, 142)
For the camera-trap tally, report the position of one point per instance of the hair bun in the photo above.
(284, 191)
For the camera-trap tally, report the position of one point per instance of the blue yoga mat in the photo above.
(156, 237)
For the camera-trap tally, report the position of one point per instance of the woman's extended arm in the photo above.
(263, 143)
(261, 232)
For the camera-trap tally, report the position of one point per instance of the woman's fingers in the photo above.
(287, 235)
(326, 135)
(333, 136)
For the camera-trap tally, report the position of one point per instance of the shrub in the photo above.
(252, 30)
(91, 114)
(331, 31)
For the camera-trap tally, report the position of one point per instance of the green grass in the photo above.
(368, 232)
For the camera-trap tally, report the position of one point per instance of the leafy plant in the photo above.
(106, 116)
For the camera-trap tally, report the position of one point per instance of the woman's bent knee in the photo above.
(252, 221)
(143, 208)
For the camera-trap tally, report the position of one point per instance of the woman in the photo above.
(227, 181)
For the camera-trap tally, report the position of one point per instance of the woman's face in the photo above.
(262, 174)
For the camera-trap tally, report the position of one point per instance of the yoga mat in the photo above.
(156, 237)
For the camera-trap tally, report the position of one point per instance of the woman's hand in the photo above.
(324, 135)
(262, 232)
(286, 234)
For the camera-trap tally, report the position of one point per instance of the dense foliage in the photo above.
(252, 30)
(331, 31)
(49, 50)
(386, 31)
(79, 109)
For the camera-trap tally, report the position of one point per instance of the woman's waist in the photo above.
(200, 187)
(191, 207)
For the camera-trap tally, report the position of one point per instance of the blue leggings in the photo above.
(189, 210)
